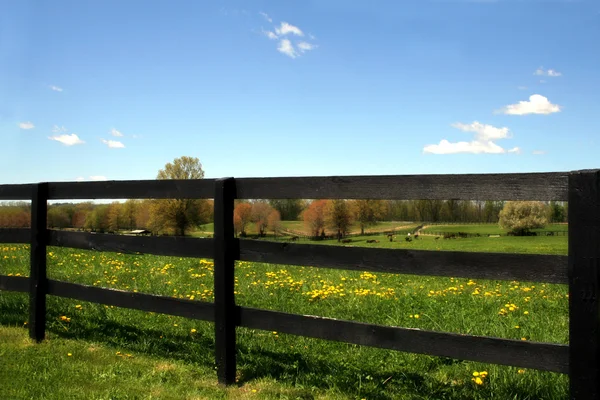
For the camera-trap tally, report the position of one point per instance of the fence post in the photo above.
(37, 274)
(226, 252)
(584, 310)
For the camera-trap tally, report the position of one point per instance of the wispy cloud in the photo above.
(515, 150)
(115, 132)
(483, 143)
(26, 125)
(67, 140)
(286, 47)
(305, 46)
(91, 178)
(58, 129)
(270, 35)
(285, 29)
(537, 104)
(547, 72)
(113, 144)
(538, 152)
(266, 16)
(55, 88)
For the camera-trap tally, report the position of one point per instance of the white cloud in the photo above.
(515, 150)
(98, 178)
(474, 147)
(115, 132)
(58, 129)
(286, 28)
(286, 47)
(56, 88)
(304, 46)
(26, 125)
(537, 104)
(550, 72)
(538, 152)
(270, 35)
(113, 144)
(485, 135)
(67, 140)
(266, 16)
(80, 179)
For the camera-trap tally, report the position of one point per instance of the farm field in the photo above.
(487, 229)
(173, 357)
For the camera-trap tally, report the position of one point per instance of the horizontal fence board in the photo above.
(15, 235)
(14, 283)
(146, 189)
(16, 192)
(542, 356)
(158, 245)
(530, 186)
(501, 266)
(137, 301)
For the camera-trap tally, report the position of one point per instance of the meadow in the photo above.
(97, 351)
(488, 229)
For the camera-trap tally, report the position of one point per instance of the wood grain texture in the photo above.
(542, 356)
(530, 186)
(15, 235)
(137, 301)
(584, 284)
(14, 283)
(501, 266)
(146, 189)
(158, 245)
(16, 192)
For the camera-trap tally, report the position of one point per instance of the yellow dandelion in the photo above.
(193, 330)
(477, 380)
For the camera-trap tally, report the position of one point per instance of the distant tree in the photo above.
(314, 217)
(114, 217)
(556, 212)
(491, 211)
(242, 216)
(128, 213)
(339, 217)
(367, 212)
(97, 220)
(289, 209)
(142, 215)
(434, 209)
(58, 218)
(520, 217)
(178, 214)
(260, 216)
(274, 222)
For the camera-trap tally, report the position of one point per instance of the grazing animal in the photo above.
(416, 236)
(549, 233)
(371, 241)
(408, 239)
(437, 237)
(346, 240)
(294, 238)
(391, 237)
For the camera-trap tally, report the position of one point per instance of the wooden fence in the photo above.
(580, 359)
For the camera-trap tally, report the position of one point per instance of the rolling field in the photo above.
(119, 353)
(487, 229)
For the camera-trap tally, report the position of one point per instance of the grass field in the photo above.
(488, 229)
(172, 357)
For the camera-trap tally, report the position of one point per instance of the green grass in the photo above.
(274, 364)
(487, 229)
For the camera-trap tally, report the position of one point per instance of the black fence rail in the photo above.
(580, 359)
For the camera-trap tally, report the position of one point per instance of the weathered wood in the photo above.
(16, 192)
(14, 283)
(146, 189)
(158, 245)
(542, 356)
(501, 266)
(15, 235)
(38, 280)
(584, 284)
(225, 254)
(137, 301)
(532, 186)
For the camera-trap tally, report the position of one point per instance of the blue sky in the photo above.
(116, 89)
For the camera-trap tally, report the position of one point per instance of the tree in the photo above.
(519, 217)
(114, 217)
(367, 212)
(58, 218)
(242, 216)
(314, 217)
(289, 209)
(274, 222)
(128, 213)
(178, 214)
(556, 212)
(260, 216)
(339, 217)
